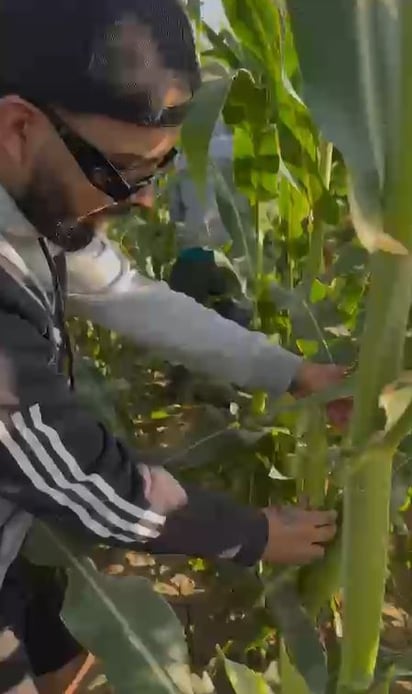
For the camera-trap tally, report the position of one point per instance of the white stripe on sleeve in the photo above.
(83, 492)
(79, 475)
(59, 497)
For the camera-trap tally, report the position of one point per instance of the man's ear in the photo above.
(21, 128)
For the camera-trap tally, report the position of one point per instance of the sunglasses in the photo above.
(99, 170)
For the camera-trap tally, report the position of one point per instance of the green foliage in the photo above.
(256, 26)
(306, 271)
(199, 125)
(301, 644)
(130, 628)
(368, 117)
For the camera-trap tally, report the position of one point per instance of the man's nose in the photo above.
(144, 197)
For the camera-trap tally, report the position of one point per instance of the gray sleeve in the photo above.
(105, 289)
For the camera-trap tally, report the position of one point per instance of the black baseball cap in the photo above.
(109, 57)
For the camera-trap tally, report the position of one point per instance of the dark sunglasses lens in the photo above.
(169, 159)
(162, 168)
(108, 181)
(97, 169)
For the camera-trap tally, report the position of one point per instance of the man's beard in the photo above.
(47, 207)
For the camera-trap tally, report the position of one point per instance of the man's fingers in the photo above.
(294, 515)
(319, 518)
(325, 533)
(310, 518)
(297, 537)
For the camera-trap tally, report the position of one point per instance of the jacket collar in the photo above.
(12, 220)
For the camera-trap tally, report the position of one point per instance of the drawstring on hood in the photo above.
(57, 267)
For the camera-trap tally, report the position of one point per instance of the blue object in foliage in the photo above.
(196, 253)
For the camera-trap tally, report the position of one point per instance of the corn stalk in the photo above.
(358, 87)
(367, 491)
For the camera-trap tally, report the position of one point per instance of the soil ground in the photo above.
(217, 608)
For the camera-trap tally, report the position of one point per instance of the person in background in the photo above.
(200, 219)
(92, 97)
(196, 271)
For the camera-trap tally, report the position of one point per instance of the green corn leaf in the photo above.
(241, 236)
(353, 83)
(299, 634)
(242, 679)
(358, 86)
(199, 126)
(133, 632)
(291, 681)
(247, 102)
(256, 25)
(220, 48)
(194, 10)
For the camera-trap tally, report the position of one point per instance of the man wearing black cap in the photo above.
(92, 95)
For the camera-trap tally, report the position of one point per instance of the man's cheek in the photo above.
(85, 199)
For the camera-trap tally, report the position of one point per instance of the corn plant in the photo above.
(355, 80)
(317, 97)
(374, 84)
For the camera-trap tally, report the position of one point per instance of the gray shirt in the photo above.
(105, 288)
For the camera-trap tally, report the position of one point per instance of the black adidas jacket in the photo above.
(59, 463)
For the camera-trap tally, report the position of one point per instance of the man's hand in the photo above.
(313, 378)
(297, 536)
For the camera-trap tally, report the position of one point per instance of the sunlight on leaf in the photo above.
(202, 685)
(318, 291)
(159, 415)
(243, 679)
(308, 347)
(274, 474)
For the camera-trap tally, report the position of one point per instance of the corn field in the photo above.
(317, 96)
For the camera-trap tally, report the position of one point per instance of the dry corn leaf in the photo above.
(370, 232)
(166, 589)
(138, 560)
(202, 685)
(184, 584)
(114, 569)
(395, 398)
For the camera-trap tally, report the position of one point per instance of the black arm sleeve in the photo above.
(61, 464)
